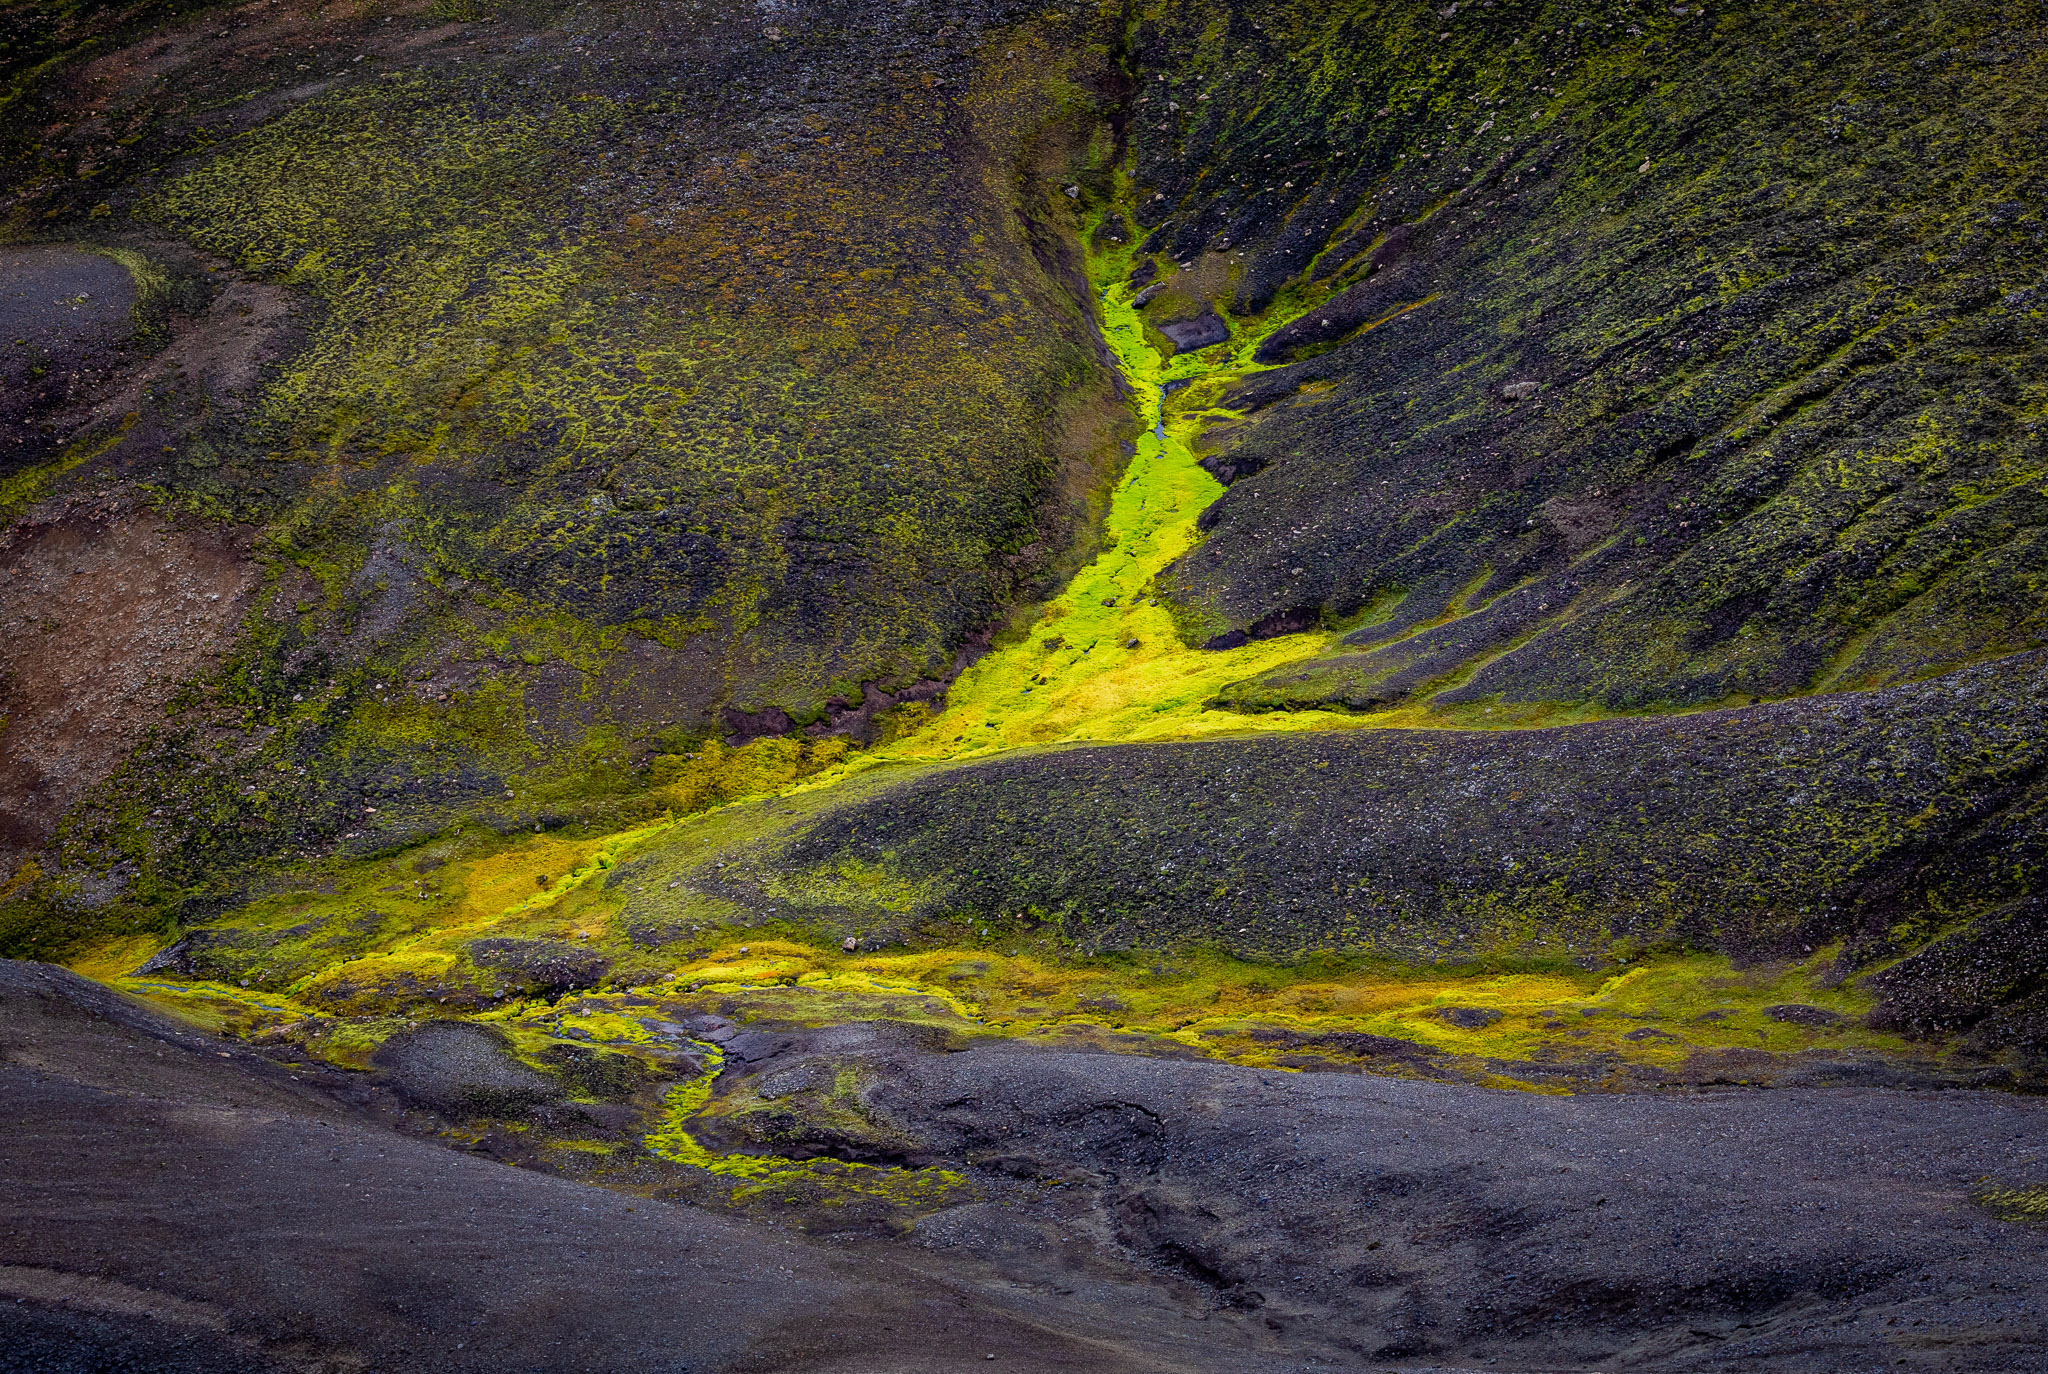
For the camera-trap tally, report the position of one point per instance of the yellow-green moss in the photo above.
(2026, 1206)
(771, 1179)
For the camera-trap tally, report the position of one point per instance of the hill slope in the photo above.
(1671, 357)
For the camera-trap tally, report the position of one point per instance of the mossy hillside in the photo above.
(784, 384)
(700, 374)
(373, 495)
(627, 934)
(1773, 834)
(1770, 269)
(1129, 693)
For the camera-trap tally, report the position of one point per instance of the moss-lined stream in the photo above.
(1104, 660)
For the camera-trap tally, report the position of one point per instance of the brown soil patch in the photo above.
(104, 610)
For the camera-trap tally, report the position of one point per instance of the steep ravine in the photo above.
(1105, 659)
(484, 924)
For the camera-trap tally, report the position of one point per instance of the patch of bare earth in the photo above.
(104, 609)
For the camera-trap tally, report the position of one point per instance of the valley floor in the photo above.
(170, 1205)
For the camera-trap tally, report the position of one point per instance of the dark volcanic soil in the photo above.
(64, 315)
(1363, 1219)
(175, 1204)
(170, 1203)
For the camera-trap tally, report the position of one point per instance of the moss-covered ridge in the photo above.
(1867, 823)
(1299, 900)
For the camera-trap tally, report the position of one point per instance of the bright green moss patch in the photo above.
(1107, 658)
(2025, 1206)
(1657, 1014)
(1660, 1014)
(1115, 656)
(772, 1181)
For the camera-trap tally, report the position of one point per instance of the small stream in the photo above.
(1106, 659)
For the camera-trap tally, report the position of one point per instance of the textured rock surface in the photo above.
(180, 1206)
(1375, 1220)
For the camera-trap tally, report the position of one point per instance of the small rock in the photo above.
(1800, 1014)
(1466, 1018)
(1520, 391)
(1200, 332)
(462, 1069)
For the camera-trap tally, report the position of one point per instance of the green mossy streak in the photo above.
(769, 1179)
(2026, 1206)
